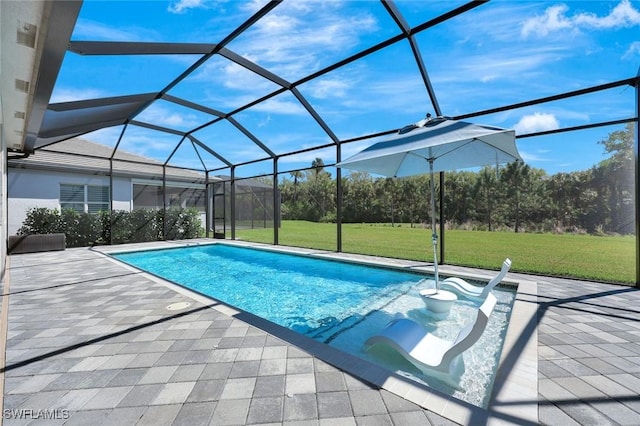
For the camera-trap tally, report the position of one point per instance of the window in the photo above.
(149, 196)
(84, 198)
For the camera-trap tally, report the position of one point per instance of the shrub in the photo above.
(81, 229)
(117, 227)
(329, 218)
(41, 221)
(182, 224)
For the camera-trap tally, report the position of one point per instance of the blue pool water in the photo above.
(337, 303)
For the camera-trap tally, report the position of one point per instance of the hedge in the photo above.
(86, 229)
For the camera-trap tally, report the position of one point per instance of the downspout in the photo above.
(18, 156)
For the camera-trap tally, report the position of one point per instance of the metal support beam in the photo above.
(207, 209)
(103, 48)
(209, 150)
(233, 202)
(406, 29)
(156, 127)
(637, 178)
(164, 203)
(175, 149)
(251, 136)
(60, 21)
(253, 67)
(314, 114)
(111, 201)
(339, 199)
(552, 98)
(441, 209)
(276, 218)
(204, 166)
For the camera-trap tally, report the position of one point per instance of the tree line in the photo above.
(514, 197)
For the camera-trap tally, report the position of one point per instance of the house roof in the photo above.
(81, 155)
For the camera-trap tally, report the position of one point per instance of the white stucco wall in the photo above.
(3, 197)
(27, 188)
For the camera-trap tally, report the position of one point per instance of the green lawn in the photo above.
(608, 259)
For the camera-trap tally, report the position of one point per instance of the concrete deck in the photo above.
(91, 341)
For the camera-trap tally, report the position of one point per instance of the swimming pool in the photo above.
(337, 303)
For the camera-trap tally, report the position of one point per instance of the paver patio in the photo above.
(91, 341)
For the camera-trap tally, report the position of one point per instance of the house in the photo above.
(79, 174)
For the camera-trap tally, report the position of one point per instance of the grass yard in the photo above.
(607, 259)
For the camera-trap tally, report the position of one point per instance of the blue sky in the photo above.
(500, 53)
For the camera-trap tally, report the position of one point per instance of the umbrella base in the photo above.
(438, 302)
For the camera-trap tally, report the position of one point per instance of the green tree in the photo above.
(617, 173)
(486, 193)
(459, 203)
(358, 192)
(296, 175)
(516, 177)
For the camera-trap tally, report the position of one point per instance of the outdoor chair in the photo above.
(473, 292)
(432, 355)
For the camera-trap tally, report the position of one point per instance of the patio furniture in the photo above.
(438, 302)
(36, 243)
(473, 292)
(430, 354)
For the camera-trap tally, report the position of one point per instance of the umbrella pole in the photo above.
(434, 234)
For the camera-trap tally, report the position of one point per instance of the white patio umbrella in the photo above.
(435, 145)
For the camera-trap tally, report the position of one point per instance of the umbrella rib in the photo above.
(405, 156)
(416, 155)
(470, 141)
(456, 148)
(497, 148)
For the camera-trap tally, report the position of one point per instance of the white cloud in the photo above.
(328, 155)
(633, 51)
(148, 143)
(499, 65)
(69, 95)
(473, 30)
(623, 15)
(265, 121)
(252, 6)
(530, 157)
(537, 122)
(359, 92)
(329, 88)
(91, 30)
(246, 86)
(276, 106)
(556, 19)
(107, 136)
(284, 42)
(162, 116)
(183, 6)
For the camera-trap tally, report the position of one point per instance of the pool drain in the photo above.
(178, 306)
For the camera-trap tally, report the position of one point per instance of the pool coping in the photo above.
(515, 389)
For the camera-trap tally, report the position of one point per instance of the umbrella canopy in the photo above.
(435, 145)
(449, 143)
